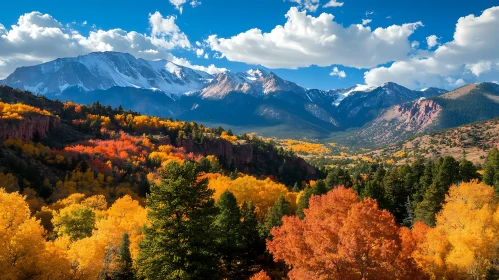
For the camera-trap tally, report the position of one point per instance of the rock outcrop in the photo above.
(250, 159)
(29, 128)
(400, 121)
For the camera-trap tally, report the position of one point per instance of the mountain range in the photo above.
(467, 104)
(251, 101)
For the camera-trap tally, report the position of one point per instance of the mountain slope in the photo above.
(360, 107)
(254, 101)
(468, 104)
(473, 140)
(103, 70)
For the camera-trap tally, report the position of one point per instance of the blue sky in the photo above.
(229, 18)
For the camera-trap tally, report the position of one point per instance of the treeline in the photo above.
(412, 192)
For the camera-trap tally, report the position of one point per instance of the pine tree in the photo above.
(229, 231)
(274, 217)
(320, 188)
(233, 175)
(467, 171)
(491, 172)
(124, 269)
(253, 244)
(303, 202)
(431, 204)
(179, 243)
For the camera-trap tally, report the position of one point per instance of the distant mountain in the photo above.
(104, 70)
(151, 102)
(468, 104)
(255, 100)
(361, 106)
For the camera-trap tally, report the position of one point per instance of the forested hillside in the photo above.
(92, 192)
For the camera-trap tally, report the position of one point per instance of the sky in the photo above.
(324, 44)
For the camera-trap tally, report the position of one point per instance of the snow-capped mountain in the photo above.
(362, 104)
(103, 70)
(255, 82)
(254, 98)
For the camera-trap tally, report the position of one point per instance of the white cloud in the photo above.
(212, 69)
(162, 25)
(206, 56)
(336, 72)
(415, 44)
(309, 5)
(38, 37)
(480, 67)
(195, 3)
(471, 56)
(431, 41)
(199, 52)
(180, 3)
(84, 23)
(333, 3)
(368, 13)
(305, 40)
(2, 63)
(366, 21)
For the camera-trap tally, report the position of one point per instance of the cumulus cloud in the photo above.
(471, 56)
(162, 25)
(38, 37)
(432, 41)
(366, 21)
(338, 73)
(211, 69)
(305, 40)
(333, 3)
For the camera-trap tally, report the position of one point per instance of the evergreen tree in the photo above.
(253, 244)
(320, 188)
(274, 217)
(408, 220)
(179, 243)
(491, 172)
(124, 269)
(467, 171)
(303, 202)
(229, 231)
(233, 175)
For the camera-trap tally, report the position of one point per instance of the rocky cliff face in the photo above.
(400, 121)
(250, 159)
(29, 128)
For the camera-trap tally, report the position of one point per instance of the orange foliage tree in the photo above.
(342, 238)
(260, 276)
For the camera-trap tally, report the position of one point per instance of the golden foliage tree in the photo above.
(24, 252)
(263, 193)
(464, 242)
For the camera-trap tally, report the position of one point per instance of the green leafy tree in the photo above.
(179, 243)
